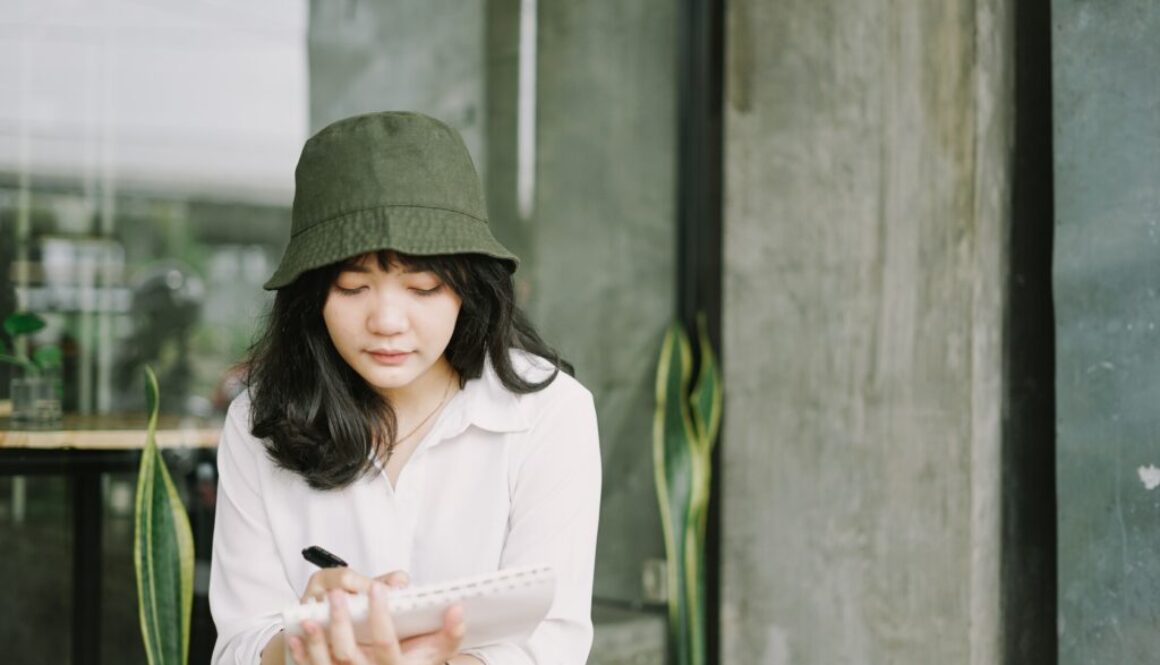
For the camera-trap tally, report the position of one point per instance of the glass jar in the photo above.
(35, 402)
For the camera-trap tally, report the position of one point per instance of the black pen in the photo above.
(321, 558)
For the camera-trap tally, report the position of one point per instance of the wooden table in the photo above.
(84, 448)
(111, 432)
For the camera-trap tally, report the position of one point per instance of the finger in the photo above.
(398, 579)
(316, 648)
(343, 646)
(444, 642)
(334, 578)
(384, 642)
(341, 578)
(298, 650)
(454, 628)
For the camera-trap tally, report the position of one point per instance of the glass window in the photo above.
(147, 152)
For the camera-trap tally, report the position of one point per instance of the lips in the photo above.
(389, 357)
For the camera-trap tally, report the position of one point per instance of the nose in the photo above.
(388, 315)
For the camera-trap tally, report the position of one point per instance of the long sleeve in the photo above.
(247, 588)
(555, 508)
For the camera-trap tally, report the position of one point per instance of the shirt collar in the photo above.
(487, 404)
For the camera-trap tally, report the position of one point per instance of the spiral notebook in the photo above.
(503, 606)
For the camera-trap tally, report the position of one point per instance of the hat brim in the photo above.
(417, 230)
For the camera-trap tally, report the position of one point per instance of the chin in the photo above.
(391, 385)
(379, 381)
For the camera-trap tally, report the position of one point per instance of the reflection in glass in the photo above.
(146, 171)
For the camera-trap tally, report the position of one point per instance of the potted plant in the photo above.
(162, 551)
(685, 425)
(35, 399)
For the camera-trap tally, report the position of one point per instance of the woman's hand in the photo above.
(322, 582)
(328, 579)
(336, 644)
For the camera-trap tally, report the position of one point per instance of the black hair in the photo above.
(319, 418)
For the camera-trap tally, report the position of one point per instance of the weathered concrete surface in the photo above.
(399, 56)
(867, 162)
(1107, 289)
(602, 263)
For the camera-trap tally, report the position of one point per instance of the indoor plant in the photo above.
(162, 551)
(35, 396)
(684, 432)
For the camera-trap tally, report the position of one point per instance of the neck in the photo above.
(414, 418)
(425, 391)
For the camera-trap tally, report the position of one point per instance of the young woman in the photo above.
(402, 413)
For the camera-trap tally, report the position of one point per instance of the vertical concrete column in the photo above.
(867, 164)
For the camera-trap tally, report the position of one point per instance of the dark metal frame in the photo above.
(1028, 550)
(83, 469)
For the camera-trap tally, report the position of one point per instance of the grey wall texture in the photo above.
(867, 162)
(603, 260)
(399, 56)
(1107, 289)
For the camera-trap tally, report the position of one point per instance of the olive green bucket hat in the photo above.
(399, 181)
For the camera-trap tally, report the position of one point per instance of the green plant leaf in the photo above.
(21, 361)
(15, 360)
(673, 455)
(707, 392)
(22, 323)
(706, 405)
(685, 430)
(47, 357)
(162, 551)
(694, 553)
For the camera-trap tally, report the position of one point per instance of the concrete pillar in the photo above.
(867, 162)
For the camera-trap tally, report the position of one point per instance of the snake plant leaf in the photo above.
(685, 430)
(705, 406)
(673, 460)
(22, 323)
(162, 552)
(707, 392)
(706, 402)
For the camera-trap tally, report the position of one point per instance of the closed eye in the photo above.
(427, 292)
(349, 291)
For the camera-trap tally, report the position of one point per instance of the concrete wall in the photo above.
(604, 259)
(867, 166)
(400, 56)
(1107, 161)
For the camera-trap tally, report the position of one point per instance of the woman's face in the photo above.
(392, 326)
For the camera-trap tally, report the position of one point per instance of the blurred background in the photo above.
(147, 152)
(924, 234)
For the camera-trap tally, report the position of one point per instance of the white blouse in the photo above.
(501, 480)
